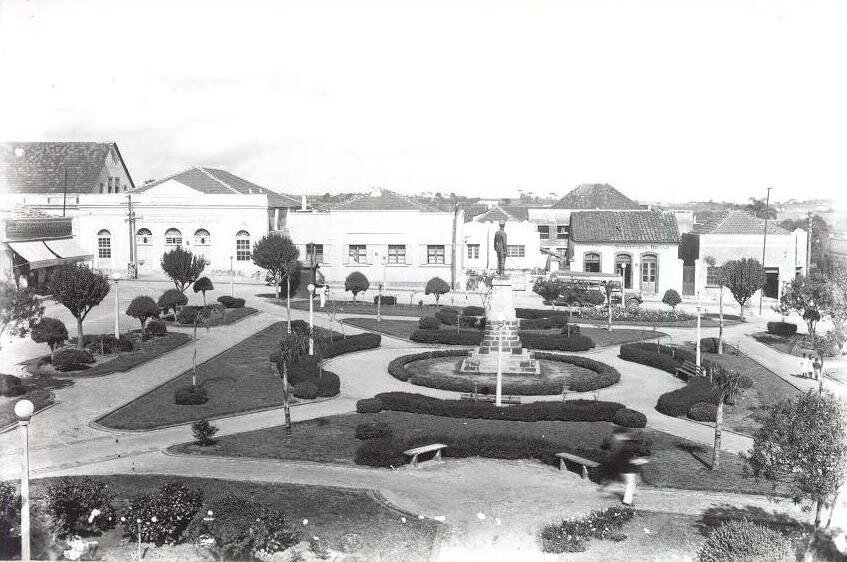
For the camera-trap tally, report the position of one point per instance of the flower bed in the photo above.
(574, 535)
(636, 314)
(530, 340)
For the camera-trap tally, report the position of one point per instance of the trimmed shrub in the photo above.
(143, 308)
(356, 283)
(569, 329)
(629, 418)
(171, 299)
(306, 390)
(782, 328)
(446, 316)
(157, 328)
(373, 430)
(429, 323)
(473, 311)
(709, 345)
(50, 331)
(595, 297)
(107, 344)
(173, 505)
(703, 411)
(328, 384)
(190, 395)
(552, 342)
(187, 315)
(661, 357)
(745, 382)
(530, 313)
(536, 323)
(72, 359)
(70, 503)
(369, 406)
(383, 453)
(245, 530)
(231, 302)
(671, 298)
(349, 344)
(203, 432)
(387, 300)
(678, 402)
(436, 286)
(448, 337)
(10, 385)
(745, 541)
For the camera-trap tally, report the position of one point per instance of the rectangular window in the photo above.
(712, 274)
(110, 185)
(104, 247)
(562, 232)
(358, 253)
(314, 253)
(434, 254)
(516, 251)
(592, 263)
(544, 232)
(396, 253)
(242, 250)
(473, 251)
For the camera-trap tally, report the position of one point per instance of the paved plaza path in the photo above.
(521, 494)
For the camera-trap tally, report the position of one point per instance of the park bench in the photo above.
(584, 463)
(475, 397)
(688, 369)
(425, 449)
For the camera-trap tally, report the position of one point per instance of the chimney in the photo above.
(304, 205)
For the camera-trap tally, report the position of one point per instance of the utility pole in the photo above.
(764, 245)
(65, 192)
(809, 242)
(133, 254)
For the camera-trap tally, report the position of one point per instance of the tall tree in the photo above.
(182, 266)
(202, 285)
(293, 347)
(725, 385)
(143, 308)
(760, 208)
(20, 309)
(79, 289)
(277, 254)
(801, 448)
(743, 278)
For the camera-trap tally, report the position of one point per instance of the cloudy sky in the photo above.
(667, 100)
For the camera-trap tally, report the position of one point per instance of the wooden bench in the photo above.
(474, 397)
(688, 370)
(425, 449)
(584, 463)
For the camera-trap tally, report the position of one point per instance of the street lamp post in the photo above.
(116, 277)
(311, 288)
(231, 277)
(24, 410)
(698, 330)
(499, 391)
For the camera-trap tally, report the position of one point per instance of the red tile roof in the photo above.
(595, 196)
(624, 226)
(738, 222)
(382, 200)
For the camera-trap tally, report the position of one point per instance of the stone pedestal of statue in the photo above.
(501, 322)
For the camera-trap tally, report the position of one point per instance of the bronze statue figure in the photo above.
(500, 245)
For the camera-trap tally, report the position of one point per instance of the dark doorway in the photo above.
(687, 279)
(772, 282)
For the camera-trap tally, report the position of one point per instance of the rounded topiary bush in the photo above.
(373, 430)
(369, 406)
(328, 385)
(380, 452)
(157, 328)
(782, 328)
(190, 395)
(709, 345)
(473, 311)
(429, 323)
(72, 359)
(10, 385)
(231, 302)
(306, 390)
(595, 297)
(703, 411)
(745, 541)
(629, 418)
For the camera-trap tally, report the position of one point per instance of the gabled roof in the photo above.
(381, 200)
(495, 214)
(738, 222)
(624, 226)
(595, 196)
(221, 182)
(39, 167)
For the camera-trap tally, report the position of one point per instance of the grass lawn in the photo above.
(332, 513)
(600, 336)
(238, 380)
(120, 363)
(39, 391)
(676, 462)
(366, 307)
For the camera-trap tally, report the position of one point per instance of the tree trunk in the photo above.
(79, 334)
(288, 300)
(720, 322)
(204, 299)
(143, 322)
(276, 287)
(285, 400)
(820, 375)
(716, 452)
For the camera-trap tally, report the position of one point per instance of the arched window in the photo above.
(173, 237)
(623, 267)
(242, 246)
(649, 273)
(592, 262)
(202, 237)
(104, 244)
(143, 236)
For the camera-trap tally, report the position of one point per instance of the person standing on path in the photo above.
(816, 367)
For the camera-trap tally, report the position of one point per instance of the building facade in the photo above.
(523, 252)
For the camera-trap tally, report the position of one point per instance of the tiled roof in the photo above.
(624, 226)
(381, 200)
(39, 167)
(595, 196)
(495, 214)
(216, 181)
(738, 222)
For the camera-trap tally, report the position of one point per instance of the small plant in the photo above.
(429, 323)
(595, 297)
(157, 328)
(204, 432)
(574, 535)
(72, 359)
(173, 506)
(50, 331)
(703, 411)
(356, 283)
(202, 285)
(79, 507)
(436, 286)
(745, 541)
(671, 298)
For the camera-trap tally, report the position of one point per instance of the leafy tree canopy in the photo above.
(20, 309)
(743, 278)
(182, 266)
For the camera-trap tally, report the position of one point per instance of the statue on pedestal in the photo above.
(500, 245)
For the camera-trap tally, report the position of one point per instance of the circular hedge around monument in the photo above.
(439, 369)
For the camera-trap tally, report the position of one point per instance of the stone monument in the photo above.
(501, 327)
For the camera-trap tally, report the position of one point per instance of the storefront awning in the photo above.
(68, 249)
(36, 253)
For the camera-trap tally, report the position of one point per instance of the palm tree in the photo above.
(293, 347)
(725, 384)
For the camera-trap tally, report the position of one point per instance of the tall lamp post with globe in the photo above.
(116, 277)
(311, 289)
(24, 410)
